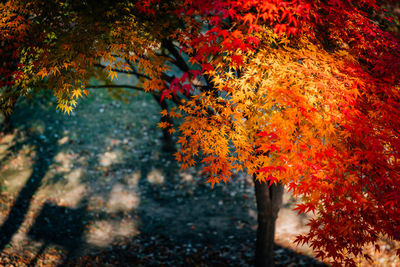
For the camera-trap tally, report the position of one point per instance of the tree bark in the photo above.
(269, 200)
(168, 144)
(7, 125)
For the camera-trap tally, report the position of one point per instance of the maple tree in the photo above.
(301, 93)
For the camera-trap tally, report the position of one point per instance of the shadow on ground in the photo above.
(45, 147)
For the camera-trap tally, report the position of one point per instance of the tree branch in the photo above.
(176, 99)
(179, 62)
(133, 72)
(115, 86)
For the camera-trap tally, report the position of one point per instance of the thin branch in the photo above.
(175, 98)
(163, 54)
(179, 61)
(181, 64)
(133, 72)
(115, 86)
(131, 64)
(167, 78)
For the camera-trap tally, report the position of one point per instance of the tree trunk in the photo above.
(7, 126)
(269, 200)
(168, 144)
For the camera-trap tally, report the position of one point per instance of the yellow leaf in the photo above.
(76, 93)
(112, 75)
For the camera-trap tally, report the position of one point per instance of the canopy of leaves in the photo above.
(303, 92)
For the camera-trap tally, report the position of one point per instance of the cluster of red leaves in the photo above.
(181, 84)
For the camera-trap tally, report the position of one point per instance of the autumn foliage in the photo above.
(301, 92)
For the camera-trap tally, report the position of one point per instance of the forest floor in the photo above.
(96, 188)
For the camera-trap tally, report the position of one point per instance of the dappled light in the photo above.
(122, 199)
(155, 177)
(103, 233)
(109, 158)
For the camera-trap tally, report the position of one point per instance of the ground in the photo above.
(97, 187)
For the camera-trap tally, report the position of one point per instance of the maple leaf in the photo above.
(76, 93)
(112, 75)
(164, 112)
(213, 181)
